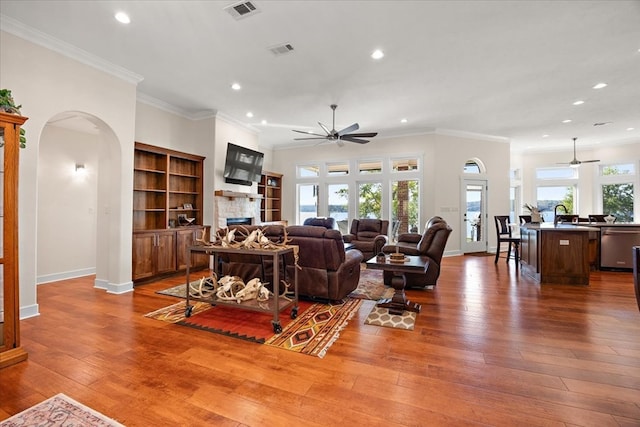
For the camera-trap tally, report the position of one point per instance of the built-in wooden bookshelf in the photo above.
(167, 208)
(270, 187)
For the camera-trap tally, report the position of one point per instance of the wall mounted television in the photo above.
(242, 166)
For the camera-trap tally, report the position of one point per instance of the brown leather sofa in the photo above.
(368, 235)
(430, 244)
(327, 271)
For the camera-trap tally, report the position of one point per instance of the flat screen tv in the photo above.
(242, 166)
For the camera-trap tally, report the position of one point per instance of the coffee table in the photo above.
(413, 264)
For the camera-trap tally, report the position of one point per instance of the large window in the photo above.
(405, 210)
(338, 195)
(551, 196)
(370, 200)
(307, 201)
(617, 191)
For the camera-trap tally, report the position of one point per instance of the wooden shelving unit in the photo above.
(10, 350)
(167, 185)
(270, 187)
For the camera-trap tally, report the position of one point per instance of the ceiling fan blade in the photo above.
(308, 133)
(311, 137)
(325, 128)
(589, 161)
(351, 139)
(349, 129)
(363, 135)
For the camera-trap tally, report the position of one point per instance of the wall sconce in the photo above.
(80, 169)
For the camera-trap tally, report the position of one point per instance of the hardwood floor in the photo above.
(490, 347)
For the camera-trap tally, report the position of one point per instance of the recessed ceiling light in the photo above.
(579, 102)
(630, 128)
(236, 86)
(123, 17)
(377, 54)
(403, 121)
(566, 121)
(264, 122)
(249, 114)
(545, 136)
(600, 86)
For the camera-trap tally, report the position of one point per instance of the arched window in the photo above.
(474, 166)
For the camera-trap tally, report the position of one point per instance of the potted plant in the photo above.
(536, 217)
(8, 105)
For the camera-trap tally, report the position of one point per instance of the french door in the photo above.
(474, 215)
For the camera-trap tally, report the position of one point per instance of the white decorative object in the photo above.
(609, 219)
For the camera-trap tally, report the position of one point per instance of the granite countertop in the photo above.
(549, 226)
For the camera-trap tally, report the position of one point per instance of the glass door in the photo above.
(474, 216)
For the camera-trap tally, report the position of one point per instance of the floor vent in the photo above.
(281, 49)
(242, 9)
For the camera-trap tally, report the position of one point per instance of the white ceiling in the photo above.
(508, 69)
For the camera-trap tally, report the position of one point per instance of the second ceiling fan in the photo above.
(575, 162)
(338, 136)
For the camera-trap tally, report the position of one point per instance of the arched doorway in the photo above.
(78, 181)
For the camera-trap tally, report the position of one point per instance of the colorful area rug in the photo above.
(60, 410)
(315, 330)
(316, 327)
(370, 286)
(381, 317)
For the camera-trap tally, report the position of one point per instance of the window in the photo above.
(370, 200)
(616, 188)
(308, 171)
(371, 166)
(307, 201)
(471, 167)
(403, 165)
(550, 196)
(556, 173)
(338, 196)
(336, 169)
(405, 209)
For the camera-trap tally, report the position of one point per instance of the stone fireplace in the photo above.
(234, 205)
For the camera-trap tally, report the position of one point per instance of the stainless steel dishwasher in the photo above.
(616, 245)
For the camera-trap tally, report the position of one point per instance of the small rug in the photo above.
(381, 317)
(370, 286)
(316, 329)
(60, 410)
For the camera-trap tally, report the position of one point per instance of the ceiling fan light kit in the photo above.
(575, 163)
(338, 136)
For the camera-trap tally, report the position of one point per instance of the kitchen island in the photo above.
(562, 253)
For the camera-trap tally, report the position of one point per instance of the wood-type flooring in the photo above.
(490, 347)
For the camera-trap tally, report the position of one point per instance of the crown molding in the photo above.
(222, 116)
(23, 31)
(471, 135)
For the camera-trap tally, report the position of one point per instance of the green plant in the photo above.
(8, 105)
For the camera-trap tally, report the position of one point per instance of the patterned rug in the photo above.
(316, 327)
(381, 317)
(370, 286)
(60, 410)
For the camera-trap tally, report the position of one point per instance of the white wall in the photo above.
(47, 83)
(67, 204)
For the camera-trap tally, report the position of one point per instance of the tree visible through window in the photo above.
(617, 197)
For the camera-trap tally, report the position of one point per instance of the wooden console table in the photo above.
(413, 264)
(277, 302)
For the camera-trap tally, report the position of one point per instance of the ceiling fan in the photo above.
(575, 162)
(338, 136)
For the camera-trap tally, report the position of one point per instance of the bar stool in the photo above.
(503, 234)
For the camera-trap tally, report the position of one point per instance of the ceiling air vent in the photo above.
(281, 49)
(242, 9)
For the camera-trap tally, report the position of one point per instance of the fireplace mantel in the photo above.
(235, 194)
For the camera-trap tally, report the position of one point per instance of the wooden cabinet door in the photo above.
(165, 252)
(144, 245)
(186, 238)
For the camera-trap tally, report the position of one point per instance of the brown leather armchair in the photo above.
(328, 223)
(430, 244)
(368, 235)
